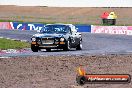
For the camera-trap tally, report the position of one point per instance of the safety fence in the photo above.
(127, 30)
(36, 26)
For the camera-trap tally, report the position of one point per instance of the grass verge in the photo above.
(11, 44)
(52, 22)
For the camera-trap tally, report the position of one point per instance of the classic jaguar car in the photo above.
(57, 36)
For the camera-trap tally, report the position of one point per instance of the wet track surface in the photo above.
(92, 44)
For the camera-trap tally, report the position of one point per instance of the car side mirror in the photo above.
(75, 31)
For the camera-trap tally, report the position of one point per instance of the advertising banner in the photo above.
(83, 28)
(129, 27)
(20, 26)
(5, 25)
(36, 26)
(27, 26)
(127, 30)
(110, 29)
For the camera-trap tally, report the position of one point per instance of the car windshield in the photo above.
(56, 29)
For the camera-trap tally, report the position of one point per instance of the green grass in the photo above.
(1, 20)
(10, 44)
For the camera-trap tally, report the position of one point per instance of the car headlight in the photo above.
(62, 39)
(33, 39)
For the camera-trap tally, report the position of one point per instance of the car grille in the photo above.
(47, 40)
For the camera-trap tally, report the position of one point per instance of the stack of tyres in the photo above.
(104, 18)
(109, 19)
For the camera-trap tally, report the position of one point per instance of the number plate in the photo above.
(48, 41)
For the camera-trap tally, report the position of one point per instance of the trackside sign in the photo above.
(127, 30)
(83, 78)
(36, 26)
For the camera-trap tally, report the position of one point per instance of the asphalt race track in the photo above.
(92, 44)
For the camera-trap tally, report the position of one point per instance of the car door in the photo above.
(77, 37)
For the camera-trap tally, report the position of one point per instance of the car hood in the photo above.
(49, 35)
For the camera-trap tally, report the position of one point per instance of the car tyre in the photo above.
(79, 46)
(68, 46)
(81, 80)
(34, 48)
